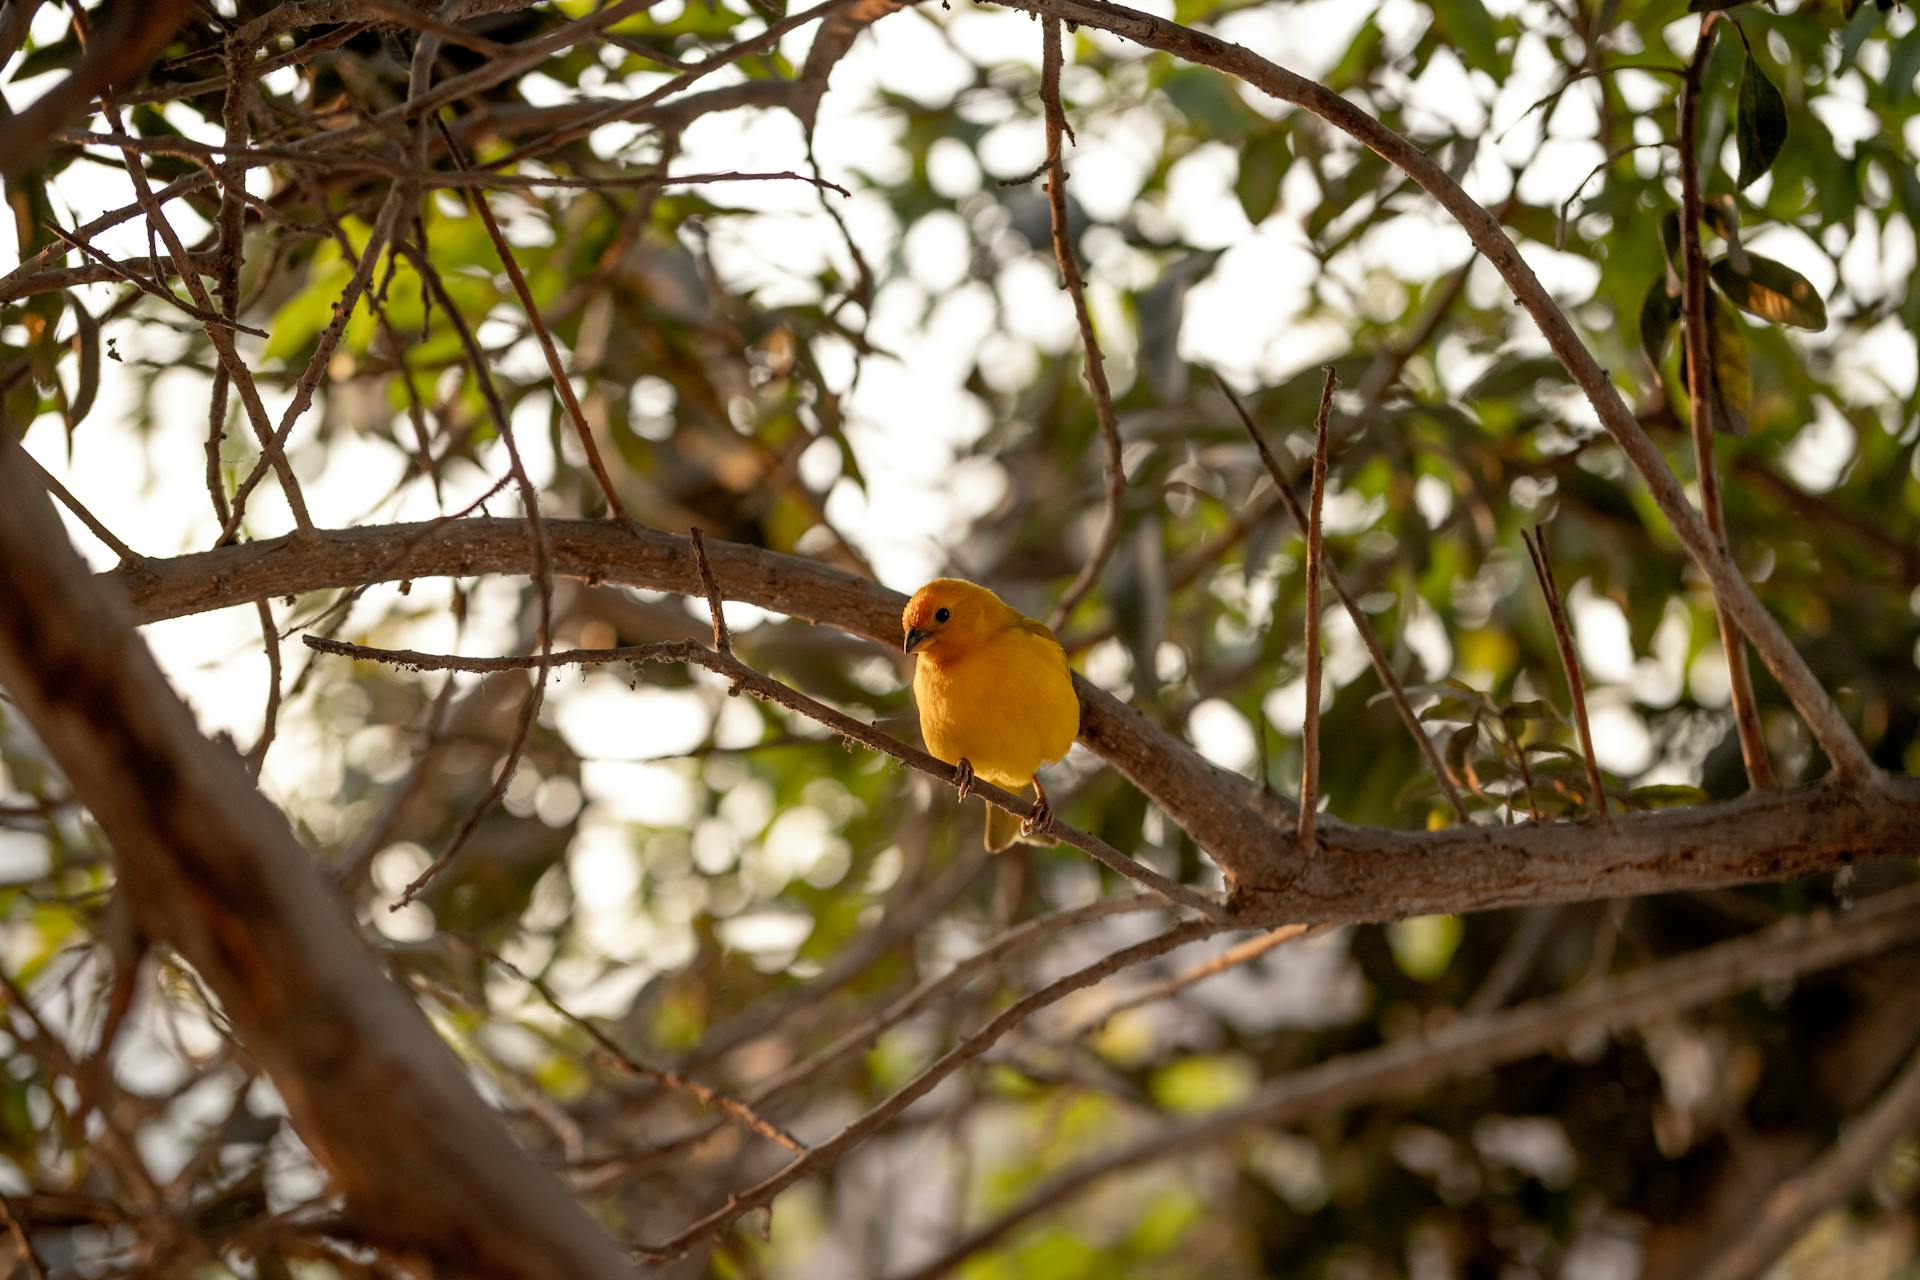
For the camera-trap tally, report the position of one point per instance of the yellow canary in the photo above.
(995, 694)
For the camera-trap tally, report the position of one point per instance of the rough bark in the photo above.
(214, 871)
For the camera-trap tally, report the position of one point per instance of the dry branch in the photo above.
(1357, 873)
(1382, 667)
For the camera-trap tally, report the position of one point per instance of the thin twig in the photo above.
(939, 988)
(151, 287)
(722, 640)
(1316, 549)
(128, 556)
(1382, 667)
(1569, 662)
(562, 383)
(1096, 365)
(618, 1057)
(1697, 331)
(1231, 958)
(384, 224)
(857, 1132)
(270, 637)
(768, 689)
(542, 551)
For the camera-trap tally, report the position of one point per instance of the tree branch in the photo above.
(214, 871)
(1356, 873)
(1096, 363)
(1823, 718)
(1697, 331)
(743, 677)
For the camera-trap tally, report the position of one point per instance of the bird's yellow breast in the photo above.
(1006, 705)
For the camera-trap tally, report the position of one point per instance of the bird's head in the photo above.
(948, 615)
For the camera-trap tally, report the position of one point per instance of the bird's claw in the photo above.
(963, 777)
(1040, 820)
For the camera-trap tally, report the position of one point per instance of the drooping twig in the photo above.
(270, 719)
(768, 689)
(1697, 331)
(1096, 364)
(1804, 944)
(1310, 727)
(1382, 666)
(1793, 1206)
(1576, 688)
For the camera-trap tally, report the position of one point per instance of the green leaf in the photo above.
(1206, 99)
(1730, 394)
(1771, 290)
(1469, 28)
(1658, 311)
(86, 346)
(1263, 164)
(1708, 6)
(1760, 126)
(1423, 947)
(1670, 238)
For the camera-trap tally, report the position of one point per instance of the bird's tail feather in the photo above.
(1003, 828)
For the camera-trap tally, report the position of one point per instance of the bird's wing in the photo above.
(1034, 628)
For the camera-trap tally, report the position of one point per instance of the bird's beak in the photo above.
(915, 638)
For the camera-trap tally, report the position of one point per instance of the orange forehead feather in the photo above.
(941, 593)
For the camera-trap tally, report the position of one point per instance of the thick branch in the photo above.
(215, 872)
(1355, 874)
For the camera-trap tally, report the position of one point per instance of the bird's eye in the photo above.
(941, 615)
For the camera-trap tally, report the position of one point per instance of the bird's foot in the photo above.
(1040, 820)
(963, 777)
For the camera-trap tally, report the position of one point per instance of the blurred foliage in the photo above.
(722, 898)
